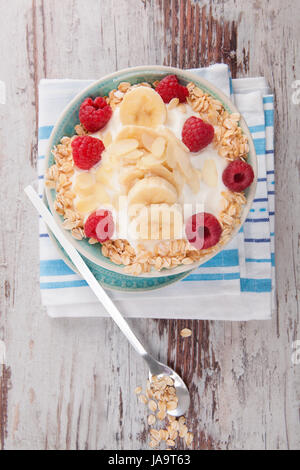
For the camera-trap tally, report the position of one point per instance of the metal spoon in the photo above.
(155, 367)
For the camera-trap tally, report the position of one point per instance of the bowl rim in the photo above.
(192, 78)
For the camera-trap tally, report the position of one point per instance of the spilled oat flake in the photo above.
(185, 333)
(160, 397)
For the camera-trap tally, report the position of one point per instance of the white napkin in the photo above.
(235, 285)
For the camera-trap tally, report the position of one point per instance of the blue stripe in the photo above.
(254, 129)
(260, 146)
(258, 220)
(262, 209)
(212, 277)
(261, 199)
(271, 172)
(41, 157)
(271, 213)
(41, 177)
(256, 285)
(268, 99)
(268, 152)
(272, 234)
(271, 193)
(45, 132)
(62, 285)
(54, 267)
(273, 259)
(224, 259)
(260, 180)
(258, 260)
(269, 117)
(257, 240)
(44, 235)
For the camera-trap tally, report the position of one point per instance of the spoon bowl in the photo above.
(159, 370)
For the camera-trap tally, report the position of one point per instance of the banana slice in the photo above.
(209, 173)
(151, 167)
(173, 177)
(84, 184)
(158, 222)
(92, 202)
(87, 204)
(104, 176)
(142, 106)
(101, 195)
(178, 157)
(129, 177)
(145, 135)
(152, 190)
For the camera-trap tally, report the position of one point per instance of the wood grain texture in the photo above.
(68, 384)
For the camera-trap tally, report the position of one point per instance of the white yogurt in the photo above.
(114, 125)
(176, 119)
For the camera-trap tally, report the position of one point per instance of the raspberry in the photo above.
(203, 230)
(94, 114)
(197, 134)
(238, 175)
(170, 88)
(100, 225)
(87, 151)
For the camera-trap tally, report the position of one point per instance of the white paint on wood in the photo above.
(72, 381)
(2, 353)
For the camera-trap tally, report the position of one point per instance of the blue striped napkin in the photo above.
(237, 284)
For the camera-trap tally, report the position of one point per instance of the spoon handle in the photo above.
(84, 270)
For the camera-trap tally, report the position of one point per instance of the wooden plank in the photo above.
(69, 383)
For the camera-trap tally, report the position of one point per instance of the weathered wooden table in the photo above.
(68, 384)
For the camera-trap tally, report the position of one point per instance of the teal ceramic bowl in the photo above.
(109, 274)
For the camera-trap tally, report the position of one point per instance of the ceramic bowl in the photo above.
(108, 273)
